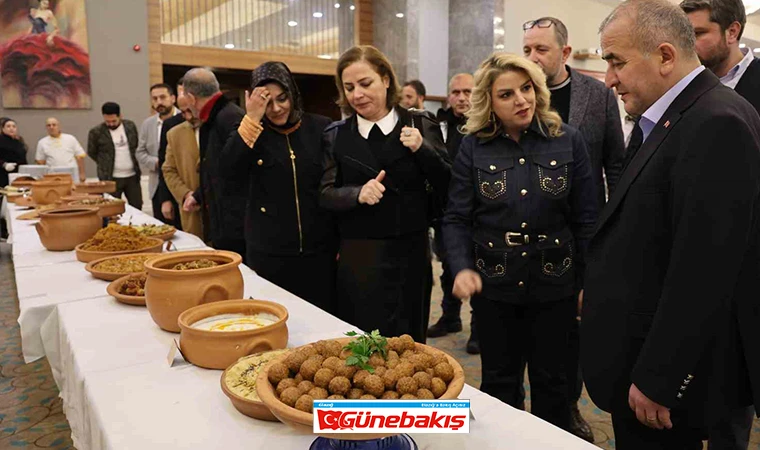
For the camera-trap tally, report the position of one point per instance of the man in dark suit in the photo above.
(672, 271)
(588, 105)
(163, 194)
(718, 26)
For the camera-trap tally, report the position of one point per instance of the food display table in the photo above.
(119, 391)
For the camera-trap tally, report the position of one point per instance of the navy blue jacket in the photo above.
(521, 214)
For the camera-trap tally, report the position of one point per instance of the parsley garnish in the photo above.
(363, 347)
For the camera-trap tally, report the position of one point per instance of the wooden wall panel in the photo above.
(363, 21)
(155, 59)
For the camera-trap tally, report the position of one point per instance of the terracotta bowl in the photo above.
(114, 207)
(165, 236)
(92, 267)
(24, 181)
(46, 192)
(25, 202)
(75, 197)
(95, 187)
(62, 229)
(58, 177)
(169, 293)
(113, 291)
(89, 255)
(304, 422)
(219, 349)
(12, 197)
(251, 408)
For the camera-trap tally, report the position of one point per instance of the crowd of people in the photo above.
(635, 253)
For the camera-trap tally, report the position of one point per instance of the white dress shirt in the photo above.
(386, 124)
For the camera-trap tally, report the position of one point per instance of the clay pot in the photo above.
(62, 229)
(113, 290)
(47, 192)
(23, 181)
(58, 177)
(169, 293)
(86, 256)
(219, 349)
(114, 207)
(247, 406)
(12, 197)
(304, 422)
(96, 187)
(75, 197)
(25, 202)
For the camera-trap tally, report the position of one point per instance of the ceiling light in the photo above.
(324, 56)
(229, 45)
(352, 7)
(400, 15)
(498, 31)
(751, 6)
(337, 5)
(248, 40)
(317, 15)
(742, 45)
(292, 23)
(497, 20)
(499, 46)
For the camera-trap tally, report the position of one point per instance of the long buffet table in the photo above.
(119, 391)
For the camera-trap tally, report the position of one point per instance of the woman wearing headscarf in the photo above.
(12, 149)
(380, 165)
(290, 240)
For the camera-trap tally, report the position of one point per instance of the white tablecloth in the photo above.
(110, 363)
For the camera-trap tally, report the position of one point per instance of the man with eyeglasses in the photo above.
(588, 105)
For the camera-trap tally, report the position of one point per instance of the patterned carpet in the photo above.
(30, 410)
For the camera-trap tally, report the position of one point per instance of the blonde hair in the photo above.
(379, 62)
(481, 120)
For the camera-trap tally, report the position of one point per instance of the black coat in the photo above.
(349, 164)
(100, 148)
(454, 134)
(163, 190)
(672, 272)
(542, 187)
(222, 196)
(749, 85)
(283, 217)
(11, 151)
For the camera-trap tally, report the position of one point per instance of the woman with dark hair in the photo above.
(40, 18)
(12, 149)
(290, 240)
(380, 165)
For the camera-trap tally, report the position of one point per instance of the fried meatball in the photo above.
(355, 394)
(294, 360)
(408, 397)
(392, 363)
(336, 397)
(318, 393)
(339, 385)
(376, 360)
(395, 344)
(438, 358)
(347, 371)
(405, 369)
(407, 385)
(332, 363)
(390, 395)
(298, 378)
(408, 354)
(345, 353)
(425, 394)
(408, 342)
(305, 386)
(430, 372)
(390, 378)
(374, 385)
(317, 357)
(333, 348)
(421, 361)
(367, 397)
(309, 368)
(322, 377)
(284, 384)
(277, 372)
(393, 354)
(438, 387)
(321, 347)
(290, 396)
(444, 371)
(305, 403)
(423, 380)
(359, 377)
(380, 371)
(309, 350)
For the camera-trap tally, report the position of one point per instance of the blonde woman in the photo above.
(522, 206)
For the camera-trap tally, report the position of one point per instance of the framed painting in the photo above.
(44, 56)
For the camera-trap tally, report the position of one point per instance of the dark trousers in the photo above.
(630, 434)
(131, 188)
(574, 378)
(732, 432)
(176, 222)
(537, 333)
(310, 277)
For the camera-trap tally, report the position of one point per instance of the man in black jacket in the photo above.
(672, 271)
(171, 213)
(222, 198)
(718, 26)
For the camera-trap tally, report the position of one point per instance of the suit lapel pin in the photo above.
(667, 123)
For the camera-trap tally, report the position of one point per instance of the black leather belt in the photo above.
(517, 239)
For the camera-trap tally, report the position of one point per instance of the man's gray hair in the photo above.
(201, 83)
(655, 22)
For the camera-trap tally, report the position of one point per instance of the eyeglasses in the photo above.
(541, 23)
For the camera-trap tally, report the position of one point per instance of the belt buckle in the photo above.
(511, 235)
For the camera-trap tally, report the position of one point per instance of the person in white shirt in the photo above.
(112, 145)
(60, 149)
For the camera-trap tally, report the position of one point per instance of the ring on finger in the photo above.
(263, 96)
(651, 419)
(407, 132)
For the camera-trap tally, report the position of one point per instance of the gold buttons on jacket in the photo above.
(490, 244)
(492, 167)
(521, 161)
(524, 254)
(524, 192)
(523, 225)
(263, 209)
(553, 163)
(521, 284)
(556, 241)
(260, 162)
